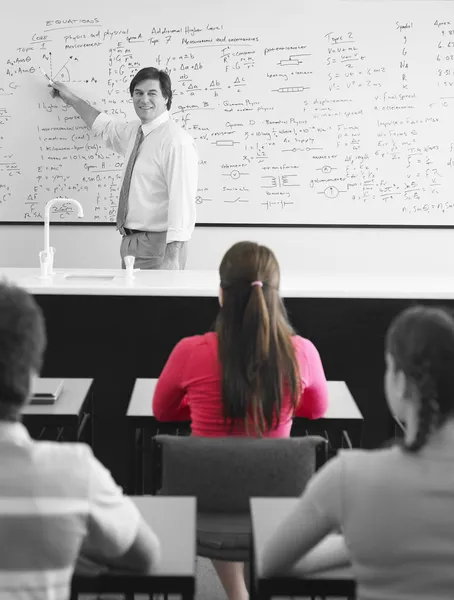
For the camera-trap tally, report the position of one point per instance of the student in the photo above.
(250, 376)
(56, 500)
(393, 505)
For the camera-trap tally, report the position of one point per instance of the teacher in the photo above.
(156, 207)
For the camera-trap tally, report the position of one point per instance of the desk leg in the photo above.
(84, 430)
(355, 434)
(253, 592)
(147, 461)
(134, 449)
(71, 434)
(91, 420)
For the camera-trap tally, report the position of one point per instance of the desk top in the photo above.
(267, 514)
(341, 403)
(173, 519)
(69, 402)
(199, 283)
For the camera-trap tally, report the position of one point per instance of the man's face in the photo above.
(148, 100)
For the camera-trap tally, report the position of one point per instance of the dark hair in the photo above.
(421, 343)
(22, 344)
(151, 73)
(255, 347)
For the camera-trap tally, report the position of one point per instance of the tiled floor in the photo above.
(208, 586)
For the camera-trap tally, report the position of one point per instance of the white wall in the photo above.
(324, 251)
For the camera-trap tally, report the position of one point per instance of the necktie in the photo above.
(124, 192)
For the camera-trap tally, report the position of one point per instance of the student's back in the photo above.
(54, 499)
(57, 502)
(395, 505)
(190, 386)
(250, 376)
(253, 374)
(396, 514)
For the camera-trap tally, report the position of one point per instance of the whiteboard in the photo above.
(304, 112)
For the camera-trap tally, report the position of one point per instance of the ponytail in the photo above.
(257, 310)
(428, 414)
(255, 348)
(257, 318)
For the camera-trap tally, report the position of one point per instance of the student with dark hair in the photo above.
(57, 501)
(250, 376)
(156, 208)
(393, 505)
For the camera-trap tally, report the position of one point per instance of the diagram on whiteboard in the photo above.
(301, 115)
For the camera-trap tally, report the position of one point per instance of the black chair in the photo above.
(224, 473)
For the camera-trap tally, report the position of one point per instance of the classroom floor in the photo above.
(208, 586)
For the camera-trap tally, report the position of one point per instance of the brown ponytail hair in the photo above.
(254, 339)
(421, 342)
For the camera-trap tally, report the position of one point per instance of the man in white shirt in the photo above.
(156, 210)
(57, 501)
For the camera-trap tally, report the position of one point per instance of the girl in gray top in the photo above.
(395, 505)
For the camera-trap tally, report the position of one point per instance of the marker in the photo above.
(46, 75)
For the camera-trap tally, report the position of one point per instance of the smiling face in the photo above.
(149, 103)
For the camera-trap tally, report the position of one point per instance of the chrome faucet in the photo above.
(80, 214)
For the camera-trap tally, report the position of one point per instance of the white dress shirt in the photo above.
(164, 180)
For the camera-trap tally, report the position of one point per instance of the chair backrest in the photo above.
(223, 473)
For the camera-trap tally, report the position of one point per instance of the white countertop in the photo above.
(206, 283)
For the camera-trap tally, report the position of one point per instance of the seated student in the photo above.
(394, 505)
(251, 376)
(56, 500)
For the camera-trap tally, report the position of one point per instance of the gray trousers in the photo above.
(148, 248)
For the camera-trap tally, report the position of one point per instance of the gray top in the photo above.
(395, 510)
(266, 515)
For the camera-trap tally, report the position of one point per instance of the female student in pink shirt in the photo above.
(250, 376)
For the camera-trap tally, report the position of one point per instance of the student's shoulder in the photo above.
(197, 351)
(202, 343)
(304, 347)
(46, 449)
(359, 461)
(71, 458)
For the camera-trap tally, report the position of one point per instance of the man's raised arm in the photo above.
(82, 108)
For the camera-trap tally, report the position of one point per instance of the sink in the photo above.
(89, 277)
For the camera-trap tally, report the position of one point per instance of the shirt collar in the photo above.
(14, 432)
(152, 125)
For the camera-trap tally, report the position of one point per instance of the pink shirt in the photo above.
(189, 388)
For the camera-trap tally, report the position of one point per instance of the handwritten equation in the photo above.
(314, 123)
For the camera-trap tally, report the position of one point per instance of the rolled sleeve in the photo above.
(182, 176)
(115, 135)
(113, 519)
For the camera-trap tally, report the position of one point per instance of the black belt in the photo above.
(126, 231)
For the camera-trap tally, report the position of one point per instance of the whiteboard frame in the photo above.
(250, 225)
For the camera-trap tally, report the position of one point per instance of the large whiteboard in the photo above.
(304, 112)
